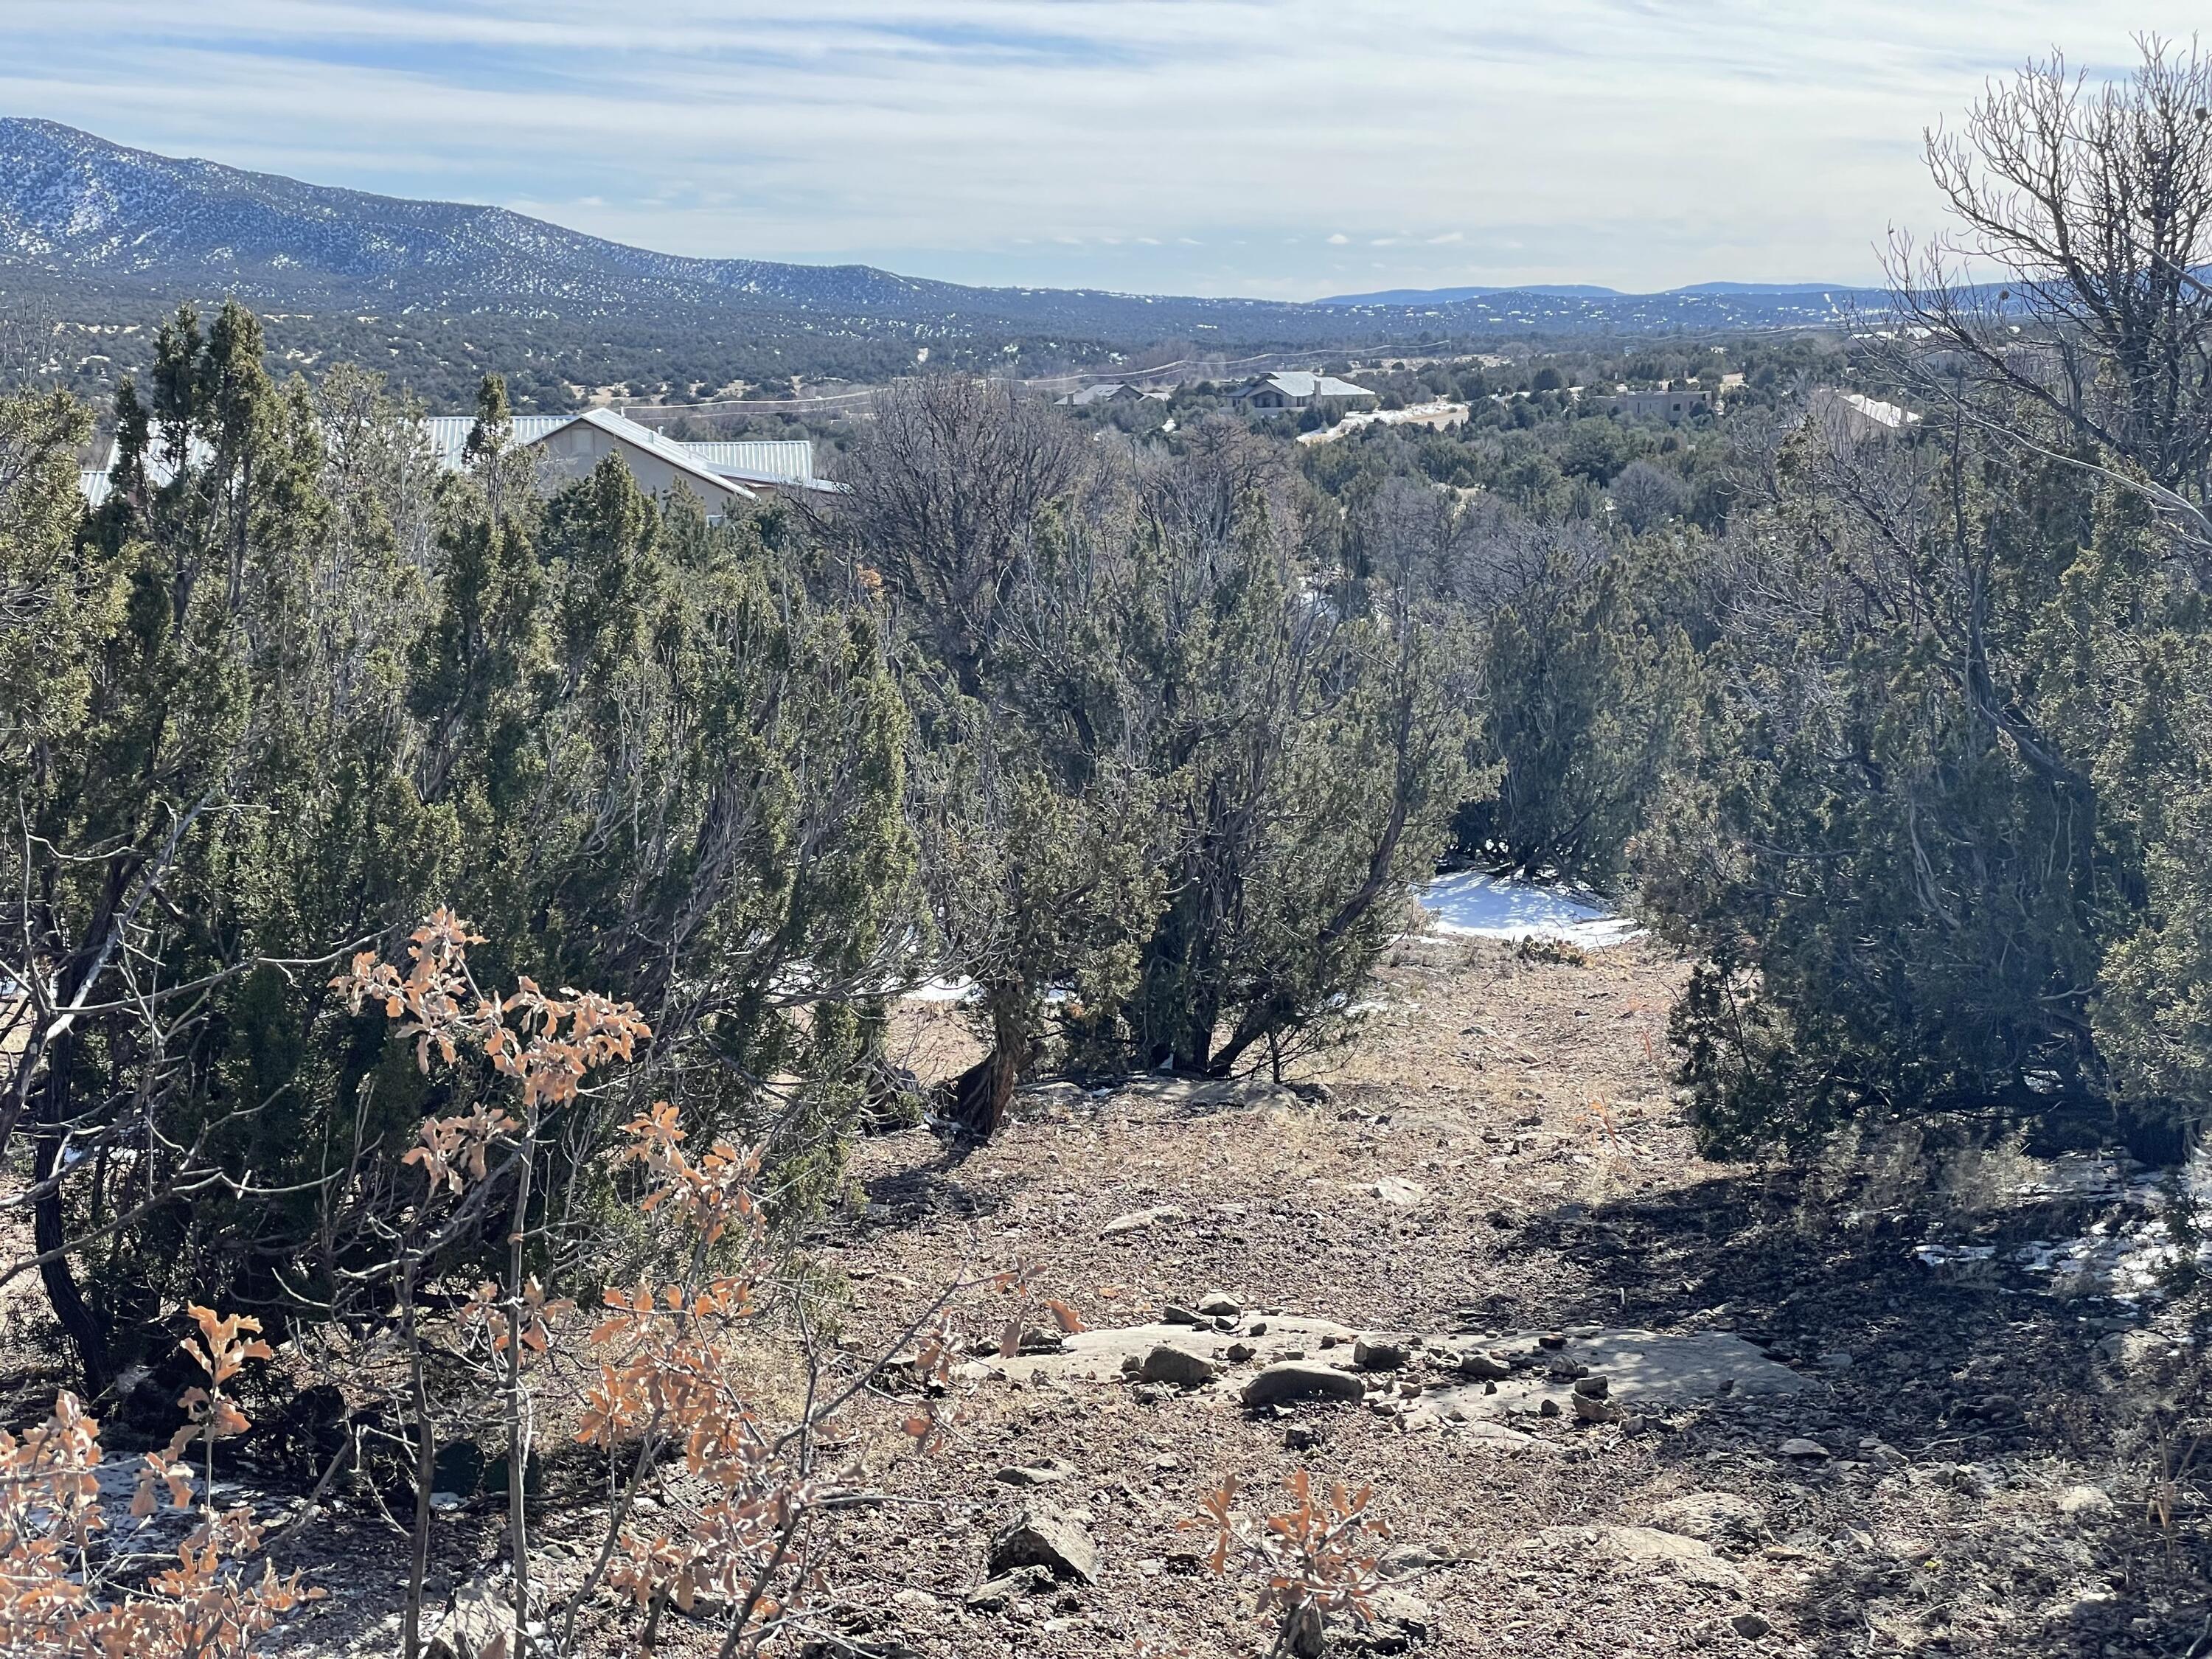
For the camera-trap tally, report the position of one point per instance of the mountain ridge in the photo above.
(81, 216)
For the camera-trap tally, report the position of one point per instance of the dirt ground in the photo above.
(1495, 1155)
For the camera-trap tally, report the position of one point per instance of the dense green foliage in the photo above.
(272, 708)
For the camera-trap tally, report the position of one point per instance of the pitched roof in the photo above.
(785, 463)
(1304, 383)
(1103, 391)
(448, 437)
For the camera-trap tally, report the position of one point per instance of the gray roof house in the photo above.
(1298, 388)
(1105, 391)
(719, 474)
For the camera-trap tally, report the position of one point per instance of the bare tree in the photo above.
(949, 481)
(2072, 281)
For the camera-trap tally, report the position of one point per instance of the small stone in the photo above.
(1481, 1366)
(1379, 1354)
(1138, 1220)
(1174, 1314)
(1329, 1340)
(1179, 1367)
(1810, 1450)
(1837, 1359)
(1549, 1408)
(1391, 1189)
(1590, 1409)
(1049, 1473)
(1237, 1353)
(1259, 1328)
(1592, 1387)
(1301, 1437)
(1552, 1339)
(2085, 1503)
(1148, 1393)
(1750, 1625)
(1293, 1379)
(1218, 1304)
(994, 1594)
(1046, 1538)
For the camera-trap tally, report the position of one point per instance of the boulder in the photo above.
(1219, 1304)
(1395, 1623)
(1380, 1354)
(1045, 1538)
(480, 1624)
(1300, 1379)
(1179, 1367)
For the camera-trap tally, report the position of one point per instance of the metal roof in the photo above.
(735, 465)
(1304, 383)
(448, 435)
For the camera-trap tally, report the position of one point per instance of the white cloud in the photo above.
(1615, 141)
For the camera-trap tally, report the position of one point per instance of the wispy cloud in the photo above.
(1122, 143)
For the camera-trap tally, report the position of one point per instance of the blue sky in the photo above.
(1286, 148)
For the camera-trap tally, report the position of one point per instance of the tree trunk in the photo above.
(78, 1322)
(977, 1099)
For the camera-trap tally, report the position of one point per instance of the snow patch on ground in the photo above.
(1474, 904)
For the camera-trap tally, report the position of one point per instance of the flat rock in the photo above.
(1180, 1367)
(1392, 1189)
(1138, 1221)
(1714, 1517)
(1640, 1549)
(1300, 1379)
(1049, 1473)
(1102, 1352)
(2085, 1503)
(1642, 1368)
(1045, 1538)
(1481, 1366)
(1810, 1451)
(1219, 1304)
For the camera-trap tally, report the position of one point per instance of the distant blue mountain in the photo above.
(80, 215)
(1431, 296)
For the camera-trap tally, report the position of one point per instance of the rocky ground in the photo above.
(1610, 1398)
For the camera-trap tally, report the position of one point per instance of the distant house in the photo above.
(1296, 389)
(574, 444)
(1853, 417)
(719, 474)
(1675, 404)
(1105, 391)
